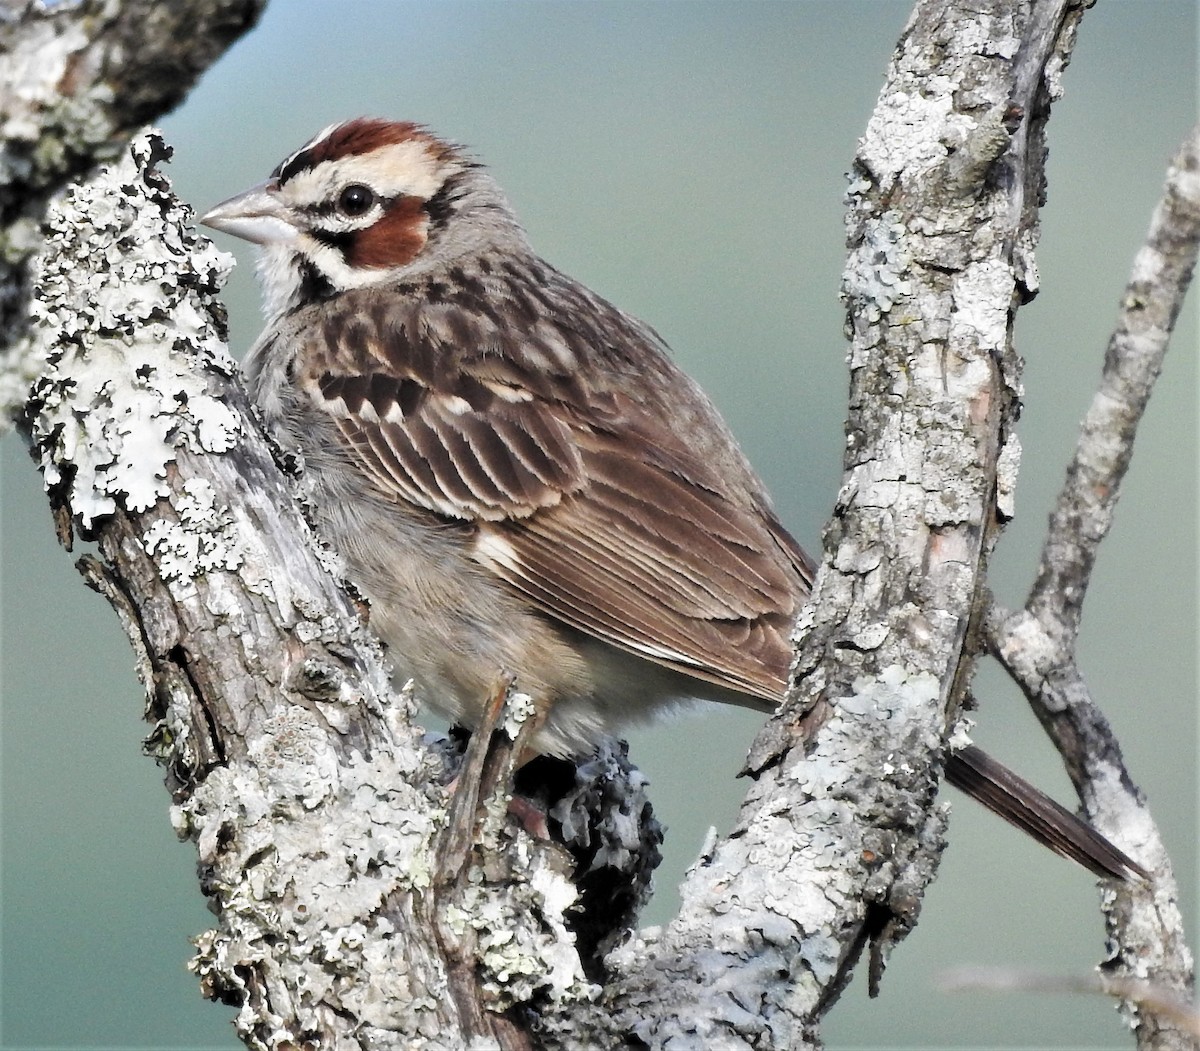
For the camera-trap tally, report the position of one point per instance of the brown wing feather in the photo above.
(555, 434)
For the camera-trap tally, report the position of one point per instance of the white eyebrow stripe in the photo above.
(399, 169)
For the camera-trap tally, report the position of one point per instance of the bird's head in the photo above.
(364, 203)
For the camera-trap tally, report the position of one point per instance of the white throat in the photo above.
(279, 276)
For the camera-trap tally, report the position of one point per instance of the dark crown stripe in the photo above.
(297, 162)
(355, 138)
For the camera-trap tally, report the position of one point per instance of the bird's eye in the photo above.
(355, 200)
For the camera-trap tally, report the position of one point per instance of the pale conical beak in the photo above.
(258, 215)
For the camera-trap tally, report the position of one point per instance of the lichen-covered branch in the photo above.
(294, 769)
(1037, 645)
(840, 835)
(272, 707)
(76, 81)
(1162, 273)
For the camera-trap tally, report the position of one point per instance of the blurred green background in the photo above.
(686, 160)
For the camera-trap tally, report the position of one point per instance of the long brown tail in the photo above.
(1035, 813)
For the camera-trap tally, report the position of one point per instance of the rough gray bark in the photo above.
(346, 919)
(1148, 953)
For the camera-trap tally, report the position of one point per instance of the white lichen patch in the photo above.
(1008, 466)
(896, 691)
(295, 837)
(202, 539)
(123, 317)
(907, 131)
(905, 697)
(982, 301)
(877, 272)
(960, 736)
(519, 961)
(518, 709)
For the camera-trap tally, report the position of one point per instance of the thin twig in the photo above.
(1037, 645)
(1155, 998)
(1162, 271)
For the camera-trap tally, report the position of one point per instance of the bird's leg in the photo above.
(497, 748)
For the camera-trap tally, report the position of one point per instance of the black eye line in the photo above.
(443, 204)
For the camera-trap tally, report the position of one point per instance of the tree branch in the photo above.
(78, 80)
(839, 836)
(1037, 645)
(1154, 999)
(274, 716)
(1149, 308)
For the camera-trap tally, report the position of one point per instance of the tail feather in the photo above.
(1035, 813)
